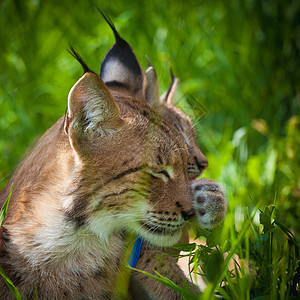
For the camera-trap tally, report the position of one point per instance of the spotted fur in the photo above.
(209, 202)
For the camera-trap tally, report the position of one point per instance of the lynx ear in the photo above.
(168, 96)
(91, 108)
(120, 67)
(152, 89)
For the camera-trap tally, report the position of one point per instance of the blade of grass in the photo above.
(232, 251)
(123, 276)
(167, 282)
(287, 232)
(4, 208)
(247, 246)
(231, 286)
(223, 293)
(9, 283)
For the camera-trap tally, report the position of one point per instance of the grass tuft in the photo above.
(9, 283)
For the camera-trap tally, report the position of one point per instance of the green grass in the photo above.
(260, 261)
(9, 283)
(238, 64)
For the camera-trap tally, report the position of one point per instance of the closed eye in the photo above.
(165, 174)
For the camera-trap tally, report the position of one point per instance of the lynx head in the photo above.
(133, 164)
(197, 162)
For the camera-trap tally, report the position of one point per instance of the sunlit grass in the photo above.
(237, 65)
(9, 283)
(257, 262)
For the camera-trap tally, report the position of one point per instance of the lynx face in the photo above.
(131, 179)
(197, 162)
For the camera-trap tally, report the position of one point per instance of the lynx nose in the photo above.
(202, 164)
(187, 214)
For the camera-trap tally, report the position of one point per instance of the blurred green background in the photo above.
(238, 65)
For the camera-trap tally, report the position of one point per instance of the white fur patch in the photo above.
(115, 71)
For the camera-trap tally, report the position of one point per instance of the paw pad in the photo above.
(209, 202)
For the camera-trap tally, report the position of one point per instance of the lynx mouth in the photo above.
(166, 236)
(170, 230)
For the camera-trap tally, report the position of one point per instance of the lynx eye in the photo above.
(165, 174)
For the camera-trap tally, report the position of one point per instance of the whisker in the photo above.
(172, 151)
(174, 140)
(136, 218)
(172, 145)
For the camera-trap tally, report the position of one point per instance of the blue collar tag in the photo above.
(135, 253)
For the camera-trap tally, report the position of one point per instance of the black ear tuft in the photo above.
(148, 62)
(79, 59)
(172, 75)
(111, 25)
(168, 96)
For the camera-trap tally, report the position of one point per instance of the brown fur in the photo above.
(121, 60)
(197, 162)
(210, 208)
(153, 259)
(209, 198)
(107, 157)
(112, 165)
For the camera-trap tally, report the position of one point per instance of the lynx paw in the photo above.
(209, 202)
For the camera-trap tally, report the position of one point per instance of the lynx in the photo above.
(209, 200)
(111, 166)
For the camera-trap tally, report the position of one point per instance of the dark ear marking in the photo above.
(173, 81)
(172, 75)
(111, 25)
(79, 59)
(168, 96)
(121, 65)
(148, 62)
